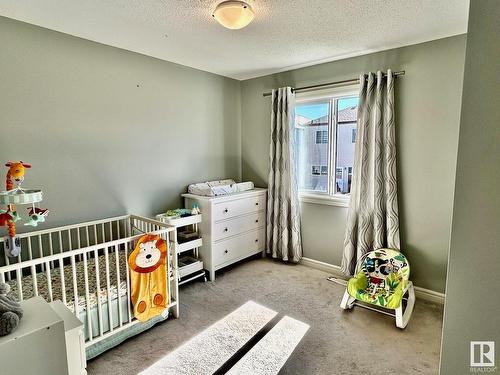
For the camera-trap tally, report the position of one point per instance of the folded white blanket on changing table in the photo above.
(219, 187)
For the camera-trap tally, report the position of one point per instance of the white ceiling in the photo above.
(285, 34)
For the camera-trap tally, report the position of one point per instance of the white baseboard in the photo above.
(429, 295)
(422, 293)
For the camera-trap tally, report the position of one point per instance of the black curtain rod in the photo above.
(322, 85)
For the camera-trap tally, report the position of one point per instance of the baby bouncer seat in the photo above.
(381, 278)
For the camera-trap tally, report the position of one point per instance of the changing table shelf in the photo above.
(189, 245)
(190, 265)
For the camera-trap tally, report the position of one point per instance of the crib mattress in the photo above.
(55, 276)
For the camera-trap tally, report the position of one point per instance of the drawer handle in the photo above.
(256, 240)
(225, 251)
(226, 211)
(257, 203)
(225, 229)
(257, 220)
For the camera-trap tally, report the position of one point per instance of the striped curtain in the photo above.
(373, 220)
(283, 217)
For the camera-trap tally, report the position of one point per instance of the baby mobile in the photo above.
(14, 195)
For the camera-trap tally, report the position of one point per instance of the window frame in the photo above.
(331, 95)
(321, 138)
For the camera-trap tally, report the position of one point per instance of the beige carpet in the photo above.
(338, 342)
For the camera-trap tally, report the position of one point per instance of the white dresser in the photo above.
(233, 228)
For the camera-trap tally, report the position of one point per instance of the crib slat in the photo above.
(78, 242)
(30, 252)
(63, 283)
(40, 246)
(75, 285)
(40, 251)
(108, 289)
(169, 291)
(87, 296)
(34, 280)
(2, 277)
(19, 284)
(7, 262)
(69, 240)
(49, 280)
(60, 241)
(129, 227)
(51, 249)
(95, 234)
(98, 290)
(128, 285)
(87, 235)
(118, 285)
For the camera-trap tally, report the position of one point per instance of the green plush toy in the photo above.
(10, 311)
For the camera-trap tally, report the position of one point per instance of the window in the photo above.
(322, 136)
(325, 136)
(316, 170)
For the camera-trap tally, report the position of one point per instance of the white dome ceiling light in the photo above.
(233, 14)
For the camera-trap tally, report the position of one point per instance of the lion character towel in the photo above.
(148, 277)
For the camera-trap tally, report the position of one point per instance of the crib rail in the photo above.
(70, 237)
(85, 265)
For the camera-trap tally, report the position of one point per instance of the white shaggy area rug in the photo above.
(206, 352)
(269, 355)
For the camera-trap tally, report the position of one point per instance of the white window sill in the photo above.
(329, 200)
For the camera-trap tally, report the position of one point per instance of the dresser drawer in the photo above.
(225, 210)
(236, 247)
(231, 227)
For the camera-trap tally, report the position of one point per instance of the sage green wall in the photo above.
(111, 131)
(472, 307)
(428, 102)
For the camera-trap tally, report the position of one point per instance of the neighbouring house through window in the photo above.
(325, 129)
(319, 170)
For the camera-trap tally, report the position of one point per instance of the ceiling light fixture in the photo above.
(233, 14)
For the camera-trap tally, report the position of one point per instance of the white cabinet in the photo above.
(38, 345)
(75, 340)
(234, 227)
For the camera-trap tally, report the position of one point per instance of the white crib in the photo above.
(85, 265)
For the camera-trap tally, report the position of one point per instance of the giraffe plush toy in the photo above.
(15, 176)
